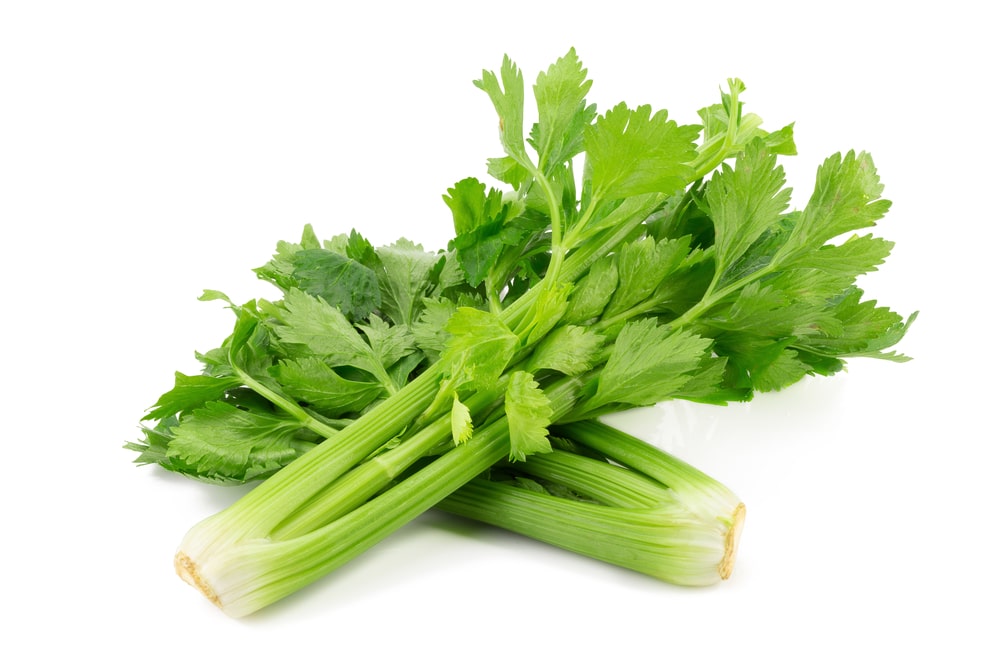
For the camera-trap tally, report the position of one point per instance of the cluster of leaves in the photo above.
(354, 324)
(660, 275)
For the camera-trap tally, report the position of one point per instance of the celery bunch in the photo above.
(627, 260)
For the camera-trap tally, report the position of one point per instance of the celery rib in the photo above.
(683, 528)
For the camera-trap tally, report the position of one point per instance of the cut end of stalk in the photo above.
(732, 542)
(188, 571)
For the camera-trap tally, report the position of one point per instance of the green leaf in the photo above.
(770, 312)
(480, 231)
(311, 381)
(868, 331)
(784, 370)
(509, 103)
(529, 414)
(563, 113)
(449, 279)
(716, 120)
(637, 152)
(648, 364)
(529, 484)
(507, 170)
(400, 372)
(324, 331)
(780, 142)
(708, 384)
(222, 440)
(216, 295)
(571, 350)
(278, 270)
(356, 247)
(856, 256)
(152, 447)
(593, 292)
(430, 332)
(744, 202)
(479, 349)
(642, 267)
(471, 206)
(847, 197)
(340, 281)
(461, 421)
(189, 392)
(309, 238)
(248, 349)
(550, 307)
(388, 343)
(406, 277)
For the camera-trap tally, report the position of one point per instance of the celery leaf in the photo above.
(219, 439)
(507, 94)
(189, 392)
(340, 281)
(529, 415)
(744, 202)
(479, 349)
(648, 364)
(563, 113)
(634, 152)
(312, 382)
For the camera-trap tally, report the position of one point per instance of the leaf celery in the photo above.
(676, 272)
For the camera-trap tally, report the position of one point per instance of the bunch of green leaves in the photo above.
(345, 334)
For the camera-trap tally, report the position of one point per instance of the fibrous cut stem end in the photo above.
(187, 570)
(732, 542)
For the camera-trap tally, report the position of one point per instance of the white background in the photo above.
(150, 150)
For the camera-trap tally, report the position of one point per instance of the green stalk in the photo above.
(592, 478)
(665, 542)
(297, 483)
(368, 478)
(705, 496)
(255, 573)
(245, 575)
(658, 516)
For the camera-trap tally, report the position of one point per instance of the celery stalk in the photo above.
(658, 516)
(244, 559)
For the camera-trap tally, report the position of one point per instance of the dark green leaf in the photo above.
(222, 440)
(340, 281)
(311, 381)
(189, 392)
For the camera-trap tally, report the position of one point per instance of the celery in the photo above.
(385, 379)
(659, 515)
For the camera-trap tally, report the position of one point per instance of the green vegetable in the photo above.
(386, 379)
(610, 496)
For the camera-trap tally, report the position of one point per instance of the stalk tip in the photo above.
(732, 542)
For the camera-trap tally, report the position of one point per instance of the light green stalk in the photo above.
(644, 510)
(241, 573)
